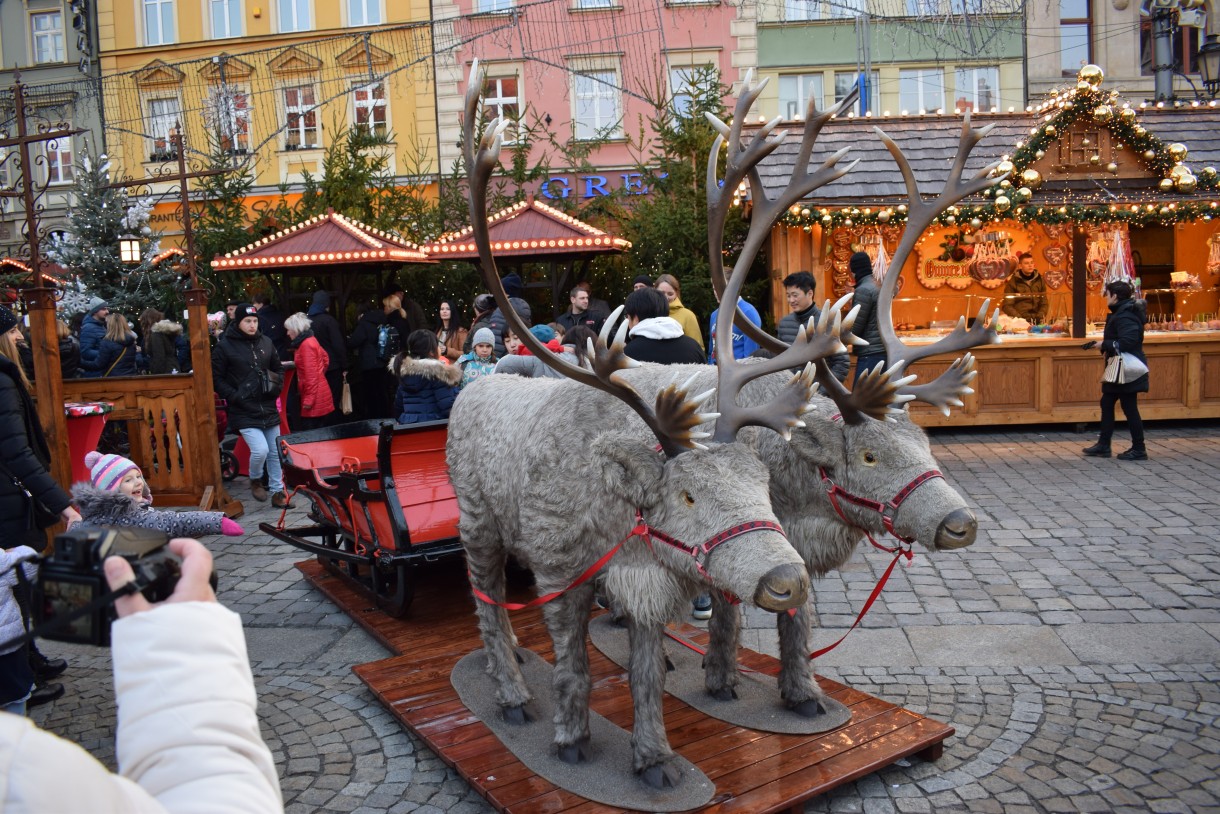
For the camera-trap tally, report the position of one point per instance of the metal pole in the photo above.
(1162, 53)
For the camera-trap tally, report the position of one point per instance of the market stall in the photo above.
(1091, 188)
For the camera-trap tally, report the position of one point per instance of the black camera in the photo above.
(71, 578)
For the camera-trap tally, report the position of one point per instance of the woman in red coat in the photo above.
(317, 403)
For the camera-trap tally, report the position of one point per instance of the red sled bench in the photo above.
(380, 502)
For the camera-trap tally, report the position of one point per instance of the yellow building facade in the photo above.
(271, 82)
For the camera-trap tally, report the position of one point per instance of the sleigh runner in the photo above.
(380, 501)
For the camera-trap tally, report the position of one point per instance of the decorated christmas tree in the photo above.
(89, 249)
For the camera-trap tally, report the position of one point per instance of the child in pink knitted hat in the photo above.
(118, 496)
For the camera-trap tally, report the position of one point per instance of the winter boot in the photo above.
(1098, 450)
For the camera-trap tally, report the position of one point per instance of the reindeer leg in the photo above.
(567, 618)
(797, 685)
(652, 755)
(720, 663)
(486, 563)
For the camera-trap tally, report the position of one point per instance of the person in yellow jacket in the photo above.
(668, 285)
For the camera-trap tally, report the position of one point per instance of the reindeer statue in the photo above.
(844, 474)
(557, 471)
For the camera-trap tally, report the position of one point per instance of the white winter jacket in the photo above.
(187, 739)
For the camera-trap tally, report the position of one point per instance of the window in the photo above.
(597, 105)
(921, 89)
(368, 104)
(795, 91)
(798, 10)
(48, 30)
(971, 7)
(1075, 21)
(294, 15)
(846, 80)
(229, 118)
(1183, 49)
(922, 8)
(300, 118)
(845, 8)
(164, 117)
(494, 6)
(226, 18)
(59, 160)
(595, 4)
(364, 12)
(500, 98)
(158, 22)
(682, 82)
(977, 89)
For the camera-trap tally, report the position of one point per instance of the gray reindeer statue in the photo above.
(556, 472)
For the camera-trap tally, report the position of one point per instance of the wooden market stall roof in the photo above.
(55, 274)
(529, 229)
(323, 240)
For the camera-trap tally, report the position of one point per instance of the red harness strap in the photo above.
(542, 600)
(887, 510)
(900, 551)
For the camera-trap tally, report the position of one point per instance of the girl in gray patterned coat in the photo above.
(118, 496)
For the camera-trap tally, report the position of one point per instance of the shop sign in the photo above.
(594, 186)
(935, 273)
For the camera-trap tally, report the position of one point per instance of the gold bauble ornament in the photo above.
(1103, 113)
(1186, 183)
(950, 219)
(1051, 131)
(1084, 142)
(1005, 184)
(1208, 172)
(1178, 170)
(883, 216)
(827, 220)
(1031, 179)
(808, 228)
(1095, 160)
(1141, 132)
(1002, 203)
(1166, 185)
(1024, 194)
(1083, 86)
(902, 209)
(804, 213)
(1165, 211)
(1127, 114)
(1091, 76)
(1040, 154)
(976, 223)
(848, 223)
(1177, 151)
(1149, 154)
(1112, 168)
(1003, 168)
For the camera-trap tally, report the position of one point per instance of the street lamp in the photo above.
(1209, 64)
(129, 249)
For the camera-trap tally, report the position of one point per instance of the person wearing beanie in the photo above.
(247, 373)
(641, 281)
(800, 288)
(481, 360)
(498, 322)
(866, 327)
(92, 331)
(484, 306)
(117, 495)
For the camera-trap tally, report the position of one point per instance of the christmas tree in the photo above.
(89, 248)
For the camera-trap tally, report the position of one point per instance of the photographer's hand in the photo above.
(193, 586)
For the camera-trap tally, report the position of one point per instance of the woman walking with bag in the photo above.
(1124, 334)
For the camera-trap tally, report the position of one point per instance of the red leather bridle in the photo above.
(700, 553)
(887, 510)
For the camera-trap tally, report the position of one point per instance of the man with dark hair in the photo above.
(655, 335)
(641, 281)
(579, 313)
(271, 323)
(800, 287)
(1025, 292)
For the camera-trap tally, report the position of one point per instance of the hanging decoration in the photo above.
(1121, 265)
(1213, 253)
(993, 258)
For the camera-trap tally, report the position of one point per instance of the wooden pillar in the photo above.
(48, 381)
(207, 464)
(1080, 286)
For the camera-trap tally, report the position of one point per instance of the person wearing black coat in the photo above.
(1124, 333)
(92, 329)
(655, 335)
(271, 323)
(800, 288)
(498, 323)
(69, 354)
(376, 382)
(247, 374)
(326, 330)
(116, 354)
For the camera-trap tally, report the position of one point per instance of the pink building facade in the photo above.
(584, 70)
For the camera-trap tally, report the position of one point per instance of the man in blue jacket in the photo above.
(92, 331)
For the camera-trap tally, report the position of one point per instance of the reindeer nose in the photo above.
(783, 587)
(957, 530)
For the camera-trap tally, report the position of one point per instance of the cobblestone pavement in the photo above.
(1074, 647)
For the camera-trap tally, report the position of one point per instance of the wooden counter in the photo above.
(1044, 380)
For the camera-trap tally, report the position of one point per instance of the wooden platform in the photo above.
(754, 772)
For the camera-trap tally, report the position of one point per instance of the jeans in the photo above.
(263, 449)
(865, 363)
(1130, 409)
(16, 707)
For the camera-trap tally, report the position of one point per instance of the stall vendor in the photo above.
(1025, 292)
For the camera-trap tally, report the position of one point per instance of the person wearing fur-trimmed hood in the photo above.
(427, 386)
(117, 495)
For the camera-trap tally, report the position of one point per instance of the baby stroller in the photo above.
(228, 461)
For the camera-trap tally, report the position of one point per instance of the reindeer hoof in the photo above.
(661, 776)
(723, 694)
(809, 708)
(575, 753)
(518, 715)
(669, 665)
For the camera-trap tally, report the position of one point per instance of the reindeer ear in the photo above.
(629, 469)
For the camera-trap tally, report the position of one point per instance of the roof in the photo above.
(329, 239)
(930, 144)
(54, 273)
(529, 229)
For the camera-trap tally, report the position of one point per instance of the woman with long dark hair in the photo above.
(25, 479)
(451, 335)
(1124, 333)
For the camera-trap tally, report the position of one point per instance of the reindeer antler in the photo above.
(948, 388)
(675, 414)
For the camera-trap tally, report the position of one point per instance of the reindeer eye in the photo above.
(870, 458)
(690, 501)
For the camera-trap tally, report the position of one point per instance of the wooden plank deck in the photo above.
(754, 772)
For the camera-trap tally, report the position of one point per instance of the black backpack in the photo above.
(389, 343)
